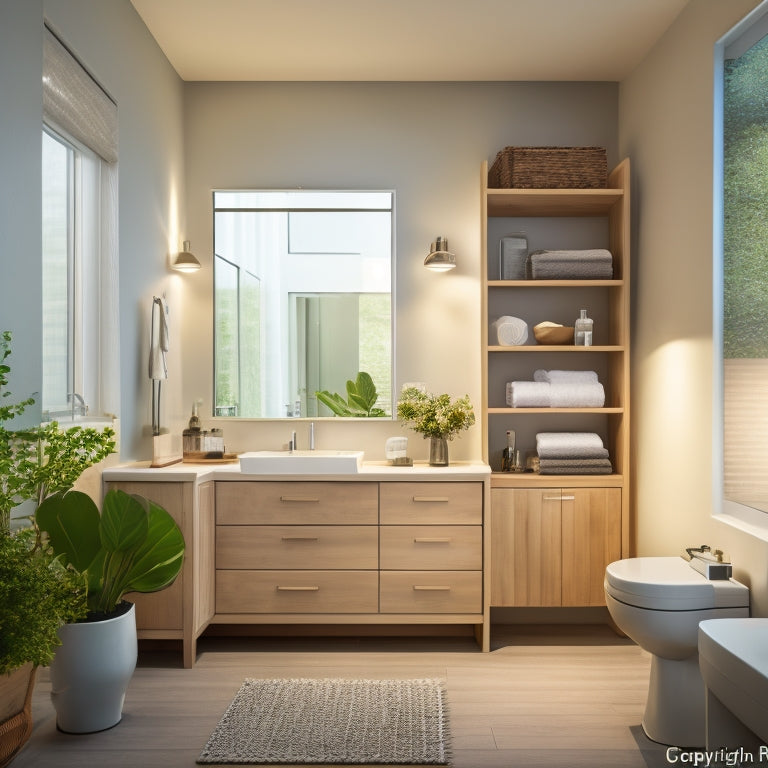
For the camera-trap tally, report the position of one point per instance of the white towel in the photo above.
(159, 340)
(553, 377)
(576, 395)
(570, 445)
(509, 331)
(528, 394)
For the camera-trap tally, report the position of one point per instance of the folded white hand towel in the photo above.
(509, 331)
(565, 376)
(576, 395)
(569, 445)
(528, 394)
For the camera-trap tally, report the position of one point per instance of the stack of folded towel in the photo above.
(572, 453)
(593, 264)
(557, 389)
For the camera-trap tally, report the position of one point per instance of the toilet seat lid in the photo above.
(670, 584)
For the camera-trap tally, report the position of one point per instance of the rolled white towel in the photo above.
(570, 445)
(553, 377)
(577, 395)
(510, 331)
(528, 394)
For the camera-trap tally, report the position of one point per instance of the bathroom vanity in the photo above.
(387, 545)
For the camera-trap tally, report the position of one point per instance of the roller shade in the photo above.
(74, 102)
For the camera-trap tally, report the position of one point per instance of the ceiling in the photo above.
(406, 40)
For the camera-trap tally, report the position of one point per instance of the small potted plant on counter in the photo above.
(437, 417)
(133, 545)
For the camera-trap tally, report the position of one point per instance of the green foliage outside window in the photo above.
(745, 305)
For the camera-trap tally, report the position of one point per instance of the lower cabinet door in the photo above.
(297, 591)
(431, 592)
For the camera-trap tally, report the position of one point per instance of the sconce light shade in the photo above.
(440, 259)
(185, 261)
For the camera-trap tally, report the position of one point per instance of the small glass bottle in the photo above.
(508, 454)
(583, 330)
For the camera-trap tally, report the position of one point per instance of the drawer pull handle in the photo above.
(298, 589)
(430, 588)
(425, 540)
(300, 538)
(559, 498)
(299, 498)
(431, 499)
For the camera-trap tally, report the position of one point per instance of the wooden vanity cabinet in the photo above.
(350, 552)
(183, 610)
(550, 546)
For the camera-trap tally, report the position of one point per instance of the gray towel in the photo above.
(576, 395)
(528, 394)
(575, 467)
(593, 264)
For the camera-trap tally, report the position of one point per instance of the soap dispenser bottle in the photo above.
(583, 330)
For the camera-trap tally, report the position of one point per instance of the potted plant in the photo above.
(361, 398)
(133, 545)
(436, 417)
(37, 594)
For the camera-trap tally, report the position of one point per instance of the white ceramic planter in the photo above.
(91, 671)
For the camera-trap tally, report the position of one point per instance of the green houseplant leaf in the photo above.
(140, 547)
(361, 398)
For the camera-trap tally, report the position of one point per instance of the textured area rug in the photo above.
(329, 721)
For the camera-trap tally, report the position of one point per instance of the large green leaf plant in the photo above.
(133, 545)
(360, 402)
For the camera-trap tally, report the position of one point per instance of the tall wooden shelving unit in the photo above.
(554, 534)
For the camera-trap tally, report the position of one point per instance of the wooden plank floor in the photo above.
(553, 696)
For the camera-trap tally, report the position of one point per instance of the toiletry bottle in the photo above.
(583, 330)
(508, 454)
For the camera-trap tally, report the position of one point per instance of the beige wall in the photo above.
(665, 126)
(424, 140)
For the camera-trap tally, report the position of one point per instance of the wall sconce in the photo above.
(440, 259)
(185, 261)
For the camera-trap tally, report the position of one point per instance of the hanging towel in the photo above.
(553, 377)
(528, 394)
(509, 331)
(576, 395)
(570, 445)
(159, 340)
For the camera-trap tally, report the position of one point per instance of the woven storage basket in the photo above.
(549, 168)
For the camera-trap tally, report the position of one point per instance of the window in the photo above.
(79, 181)
(741, 298)
(303, 284)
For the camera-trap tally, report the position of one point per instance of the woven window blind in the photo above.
(74, 102)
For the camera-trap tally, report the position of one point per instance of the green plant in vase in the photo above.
(436, 417)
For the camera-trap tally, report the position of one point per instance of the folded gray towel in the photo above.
(575, 467)
(576, 395)
(594, 264)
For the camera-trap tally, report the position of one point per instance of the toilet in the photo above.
(658, 602)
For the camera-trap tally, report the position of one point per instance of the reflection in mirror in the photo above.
(302, 299)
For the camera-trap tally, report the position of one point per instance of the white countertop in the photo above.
(371, 470)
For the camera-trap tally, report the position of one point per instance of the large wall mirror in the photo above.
(302, 299)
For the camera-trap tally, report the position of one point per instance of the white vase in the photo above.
(91, 671)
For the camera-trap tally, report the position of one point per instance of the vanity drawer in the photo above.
(297, 546)
(431, 592)
(431, 503)
(286, 503)
(431, 547)
(297, 591)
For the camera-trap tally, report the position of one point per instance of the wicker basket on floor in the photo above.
(549, 168)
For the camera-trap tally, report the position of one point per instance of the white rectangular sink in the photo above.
(301, 462)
